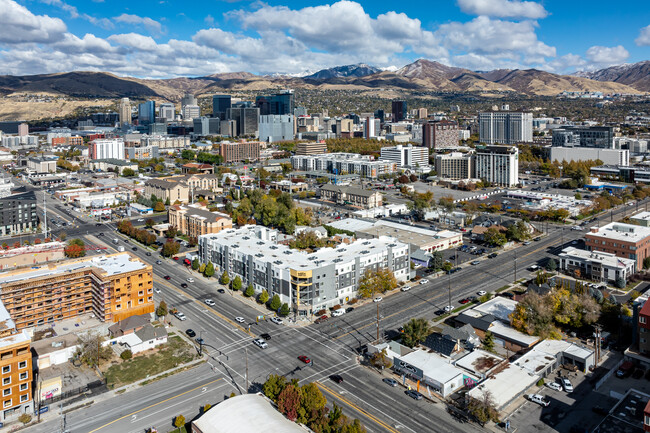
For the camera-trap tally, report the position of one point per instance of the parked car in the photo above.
(180, 316)
(390, 381)
(491, 256)
(625, 369)
(336, 378)
(414, 394)
(448, 308)
(475, 262)
(439, 312)
(539, 399)
(406, 288)
(554, 386)
(566, 384)
(424, 281)
(464, 301)
(347, 310)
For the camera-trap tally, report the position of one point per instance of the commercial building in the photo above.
(584, 136)
(195, 220)
(406, 156)
(442, 134)
(112, 287)
(196, 167)
(240, 151)
(365, 199)
(431, 370)
(343, 163)
(16, 367)
(191, 112)
(544, 201)
(417, 237)
(399, 110)
(641, 219)
(246, 118)
(220, 105)
(147, 112)
(505, 127)
(313, 148)
(107, 148)
(125, 111)
(455, 166)
(41, 165)
(179, 188)
(596, 265)
(276, 127)
(18, 213)
(607, 156)
(111, 164)
(167, 111)
(278, 103)
(141, 152)
(206, 126)
(498, 165)
(308, 282)
(627, 241)
(164, 142)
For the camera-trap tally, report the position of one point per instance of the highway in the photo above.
(332, 345)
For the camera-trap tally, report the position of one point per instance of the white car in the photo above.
(448, 308)
(140, 220)
(210, 302)
(156, 290)
(190, 280)
(424, 281)
(378, 299)
(239, 319)
(276, 320)
(260, 343)
(406, 288)
(568, 387)
(180, 316)
(554, 386)
(481, 293)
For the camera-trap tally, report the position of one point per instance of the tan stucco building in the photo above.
(195, 220)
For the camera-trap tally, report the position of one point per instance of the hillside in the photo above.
(636, 75)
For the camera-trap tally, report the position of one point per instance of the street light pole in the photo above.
(201, 342)
(449, 286)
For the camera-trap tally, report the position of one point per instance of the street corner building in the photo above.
(16, 367)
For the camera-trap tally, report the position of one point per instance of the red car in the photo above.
(304, 359)
(464, 301)
(167, 277)
(175, 258)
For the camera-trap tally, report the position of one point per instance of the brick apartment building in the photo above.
(195, 220)
(624, 240)
(440, 134)
(113, 287)
(242, 151)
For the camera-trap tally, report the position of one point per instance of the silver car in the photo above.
(260, 343)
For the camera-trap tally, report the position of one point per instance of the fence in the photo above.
(94, 387)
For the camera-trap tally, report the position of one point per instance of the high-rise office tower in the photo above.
(440, 134)
(399, 110)
(498, 164)
(220, 105)
(167, 111)
(125, 111)
(505, 127)
(147, 113)
(247, 119)
(279, 103)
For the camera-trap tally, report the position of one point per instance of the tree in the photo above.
(159, 207)
(171, 232)
(273, 386)
(127, 354)
(90, 350)
(379, 281)
(161, 311)
(225, 279)
(202, 268)
(263, 298)
(275, 303)
(289, 402)
(179, 421)
(149, 223)
(311, 402)
(447, 266)
(494, 237)
(488, 341)
(76, 248)
(24, 418)
(551, 265)
(170, 248)
(380, 359)
(284, 310)
(250, 291)
(128, 172)
(236, 283)
(483, 409)
(415, 331)
(195, 264)
(209, 270)
(646, 263)
(620, 283)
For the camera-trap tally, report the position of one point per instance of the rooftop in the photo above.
(511, 334)
(607, 259)
(644, 216)
(620, 232)
(110, 265)
(479, 361)
(351, 224)
(432, 365)
(506, 385)
(12, 339)
(499, 306)
(627, 416)
(248, 413)
(409, 234)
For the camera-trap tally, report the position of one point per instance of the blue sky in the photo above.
(170, 38)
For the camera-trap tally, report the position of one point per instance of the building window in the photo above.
(22, 364)
(6, 369)
(7, 403)
(118, 307)
(24, 397)
(6, 392)
(24, 376)
(24, 386)
(642, 319)
(6, 381)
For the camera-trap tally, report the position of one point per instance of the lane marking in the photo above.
(153, 405)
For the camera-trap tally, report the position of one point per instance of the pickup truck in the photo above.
(625, 369)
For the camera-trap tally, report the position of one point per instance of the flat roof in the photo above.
(479, 361)
(511, 334)
(621, 232)
(409, 234)
(607, 259)
(18, 338)
(433, 365)
(627, 415)
(351, 224)
(111, 265)
(499, 306)
(645, 216)
(505, 386)
(248, 413)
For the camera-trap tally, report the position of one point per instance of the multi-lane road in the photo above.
(237, 365)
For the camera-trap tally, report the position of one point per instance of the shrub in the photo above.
(24, 418)
(540, 382)
(353, 301)
(127, 354)
(336, 307)
(321, 312)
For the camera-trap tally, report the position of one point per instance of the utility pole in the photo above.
(516, 264)
(449, 286)
(377, 321)
(597, 343)
(246, 351)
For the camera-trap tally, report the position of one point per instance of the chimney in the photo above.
(594, 230)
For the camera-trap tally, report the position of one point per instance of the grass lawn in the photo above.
(179, 430)
(174, 353)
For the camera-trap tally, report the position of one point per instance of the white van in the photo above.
(339, 312)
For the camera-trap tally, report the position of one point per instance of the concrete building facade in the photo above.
(406, 156)
(498, 164)
(442, 134)
(241, 151)
(362, 198)
(455, 166)
(195, 220)
(627, 241)
(505, 127)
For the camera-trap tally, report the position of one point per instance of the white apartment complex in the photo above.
(107, 148)
(406, 156)
(498, 165)
(340, 163)
(307, 282)
(505, 127)
(455, 166)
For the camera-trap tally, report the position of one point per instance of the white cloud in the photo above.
(607, 56)
(19, 25)
(152, 25)
(135, 41)
(567, 63)
(90, 43)
(644, 37)
(74, 13)
(503, 8)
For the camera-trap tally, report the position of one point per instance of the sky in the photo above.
(172, 38)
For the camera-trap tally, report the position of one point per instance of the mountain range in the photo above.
(421, 75)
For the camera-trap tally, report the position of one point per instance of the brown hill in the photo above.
(635, 75)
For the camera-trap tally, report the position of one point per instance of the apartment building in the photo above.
(307, 282)
(505, 127)
(16, 368)
(442, 134)
(365, 199)
(107, 148)
(584, 136)
(164, 142)
(113, 287)
(195, 220)
(313, 148)
(41, 165)
(241, 151)
(18, 213)
(628, 241)
(455, 166)
(406, 156)
(497, 164)
(125, 111)
(644, 329)
(342, 163)
(596, 265)
(180, 188)
(141, 152)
